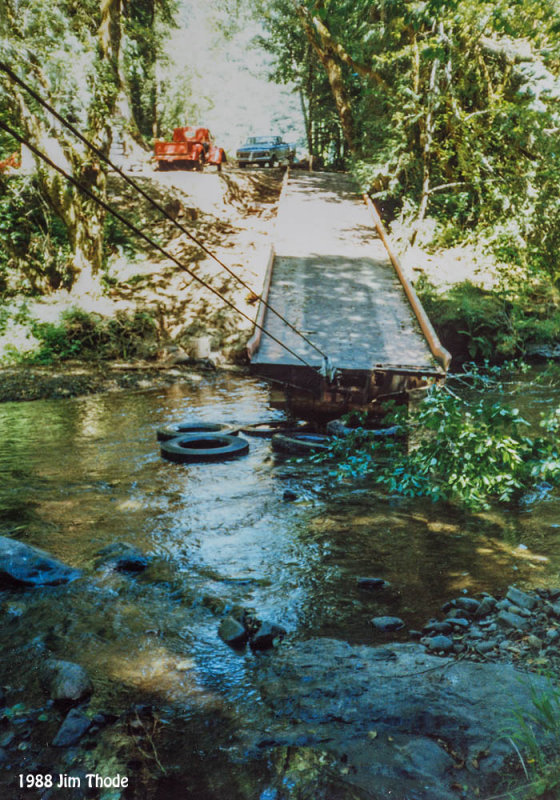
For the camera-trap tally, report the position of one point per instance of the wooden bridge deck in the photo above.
(332, 278)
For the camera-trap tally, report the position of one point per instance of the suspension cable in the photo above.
(18, 137)
(5, 68)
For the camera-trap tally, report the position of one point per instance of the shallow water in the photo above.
(79, 474)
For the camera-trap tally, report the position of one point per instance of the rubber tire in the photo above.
(266, 430)
(186, 428)
(299, 443)
(212, 447)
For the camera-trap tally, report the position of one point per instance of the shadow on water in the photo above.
(78, 475)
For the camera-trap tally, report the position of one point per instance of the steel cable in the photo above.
(131, 182)
(21, 139)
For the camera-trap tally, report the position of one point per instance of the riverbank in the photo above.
(76, 379)
(144, 306)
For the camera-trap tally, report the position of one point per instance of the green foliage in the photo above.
(471, 452)
(540, 762)
(454, 108)
(479, 324)
(35, 252)
(146, 25)
(79, 335)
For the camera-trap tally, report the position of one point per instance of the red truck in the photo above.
(191, 148)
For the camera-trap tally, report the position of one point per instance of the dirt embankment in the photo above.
(232, 214)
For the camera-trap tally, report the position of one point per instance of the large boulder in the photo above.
(392, 721)
(24, 565)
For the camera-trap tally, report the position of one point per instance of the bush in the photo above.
(81, 335)
(471, 452)
(477, 324)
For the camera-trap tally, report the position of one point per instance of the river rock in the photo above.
(122, 557)
(521, 599)
(487, 605)
(65, 681)
(232, 632)
(460, 623)
(433, 626)
(554, 609)
(485, 647)
(508, 620)
(438, 643)
(468, 604)
(372, 584)
(266, 635)
(24, 565)
(534, 642)
(387, 623)
(72, 729)
(458, 613)
(395, 720)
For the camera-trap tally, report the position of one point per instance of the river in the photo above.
(80, 474)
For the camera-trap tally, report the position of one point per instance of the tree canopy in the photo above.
(443, 104)
(440, 107)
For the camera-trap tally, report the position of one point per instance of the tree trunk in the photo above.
(321, 41)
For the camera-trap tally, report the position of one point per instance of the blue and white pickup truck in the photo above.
(263, 150)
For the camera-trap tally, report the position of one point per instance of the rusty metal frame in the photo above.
(255, 340)
(442, 356)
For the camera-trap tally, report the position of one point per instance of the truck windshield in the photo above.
(263, 140)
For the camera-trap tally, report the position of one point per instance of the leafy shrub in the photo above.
(83, 335)
(474, 453)
(478, 324)
(540, 763)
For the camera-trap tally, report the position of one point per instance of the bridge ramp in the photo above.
(332, 278)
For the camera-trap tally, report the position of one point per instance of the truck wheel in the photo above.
(242, 164)
(272, 162)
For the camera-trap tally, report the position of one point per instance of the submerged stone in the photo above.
(75, 725)
(372, 584)
(266, 636)
(122, 557)
(24, 565)
(387, 623)
(65, 681)
(232, 632)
